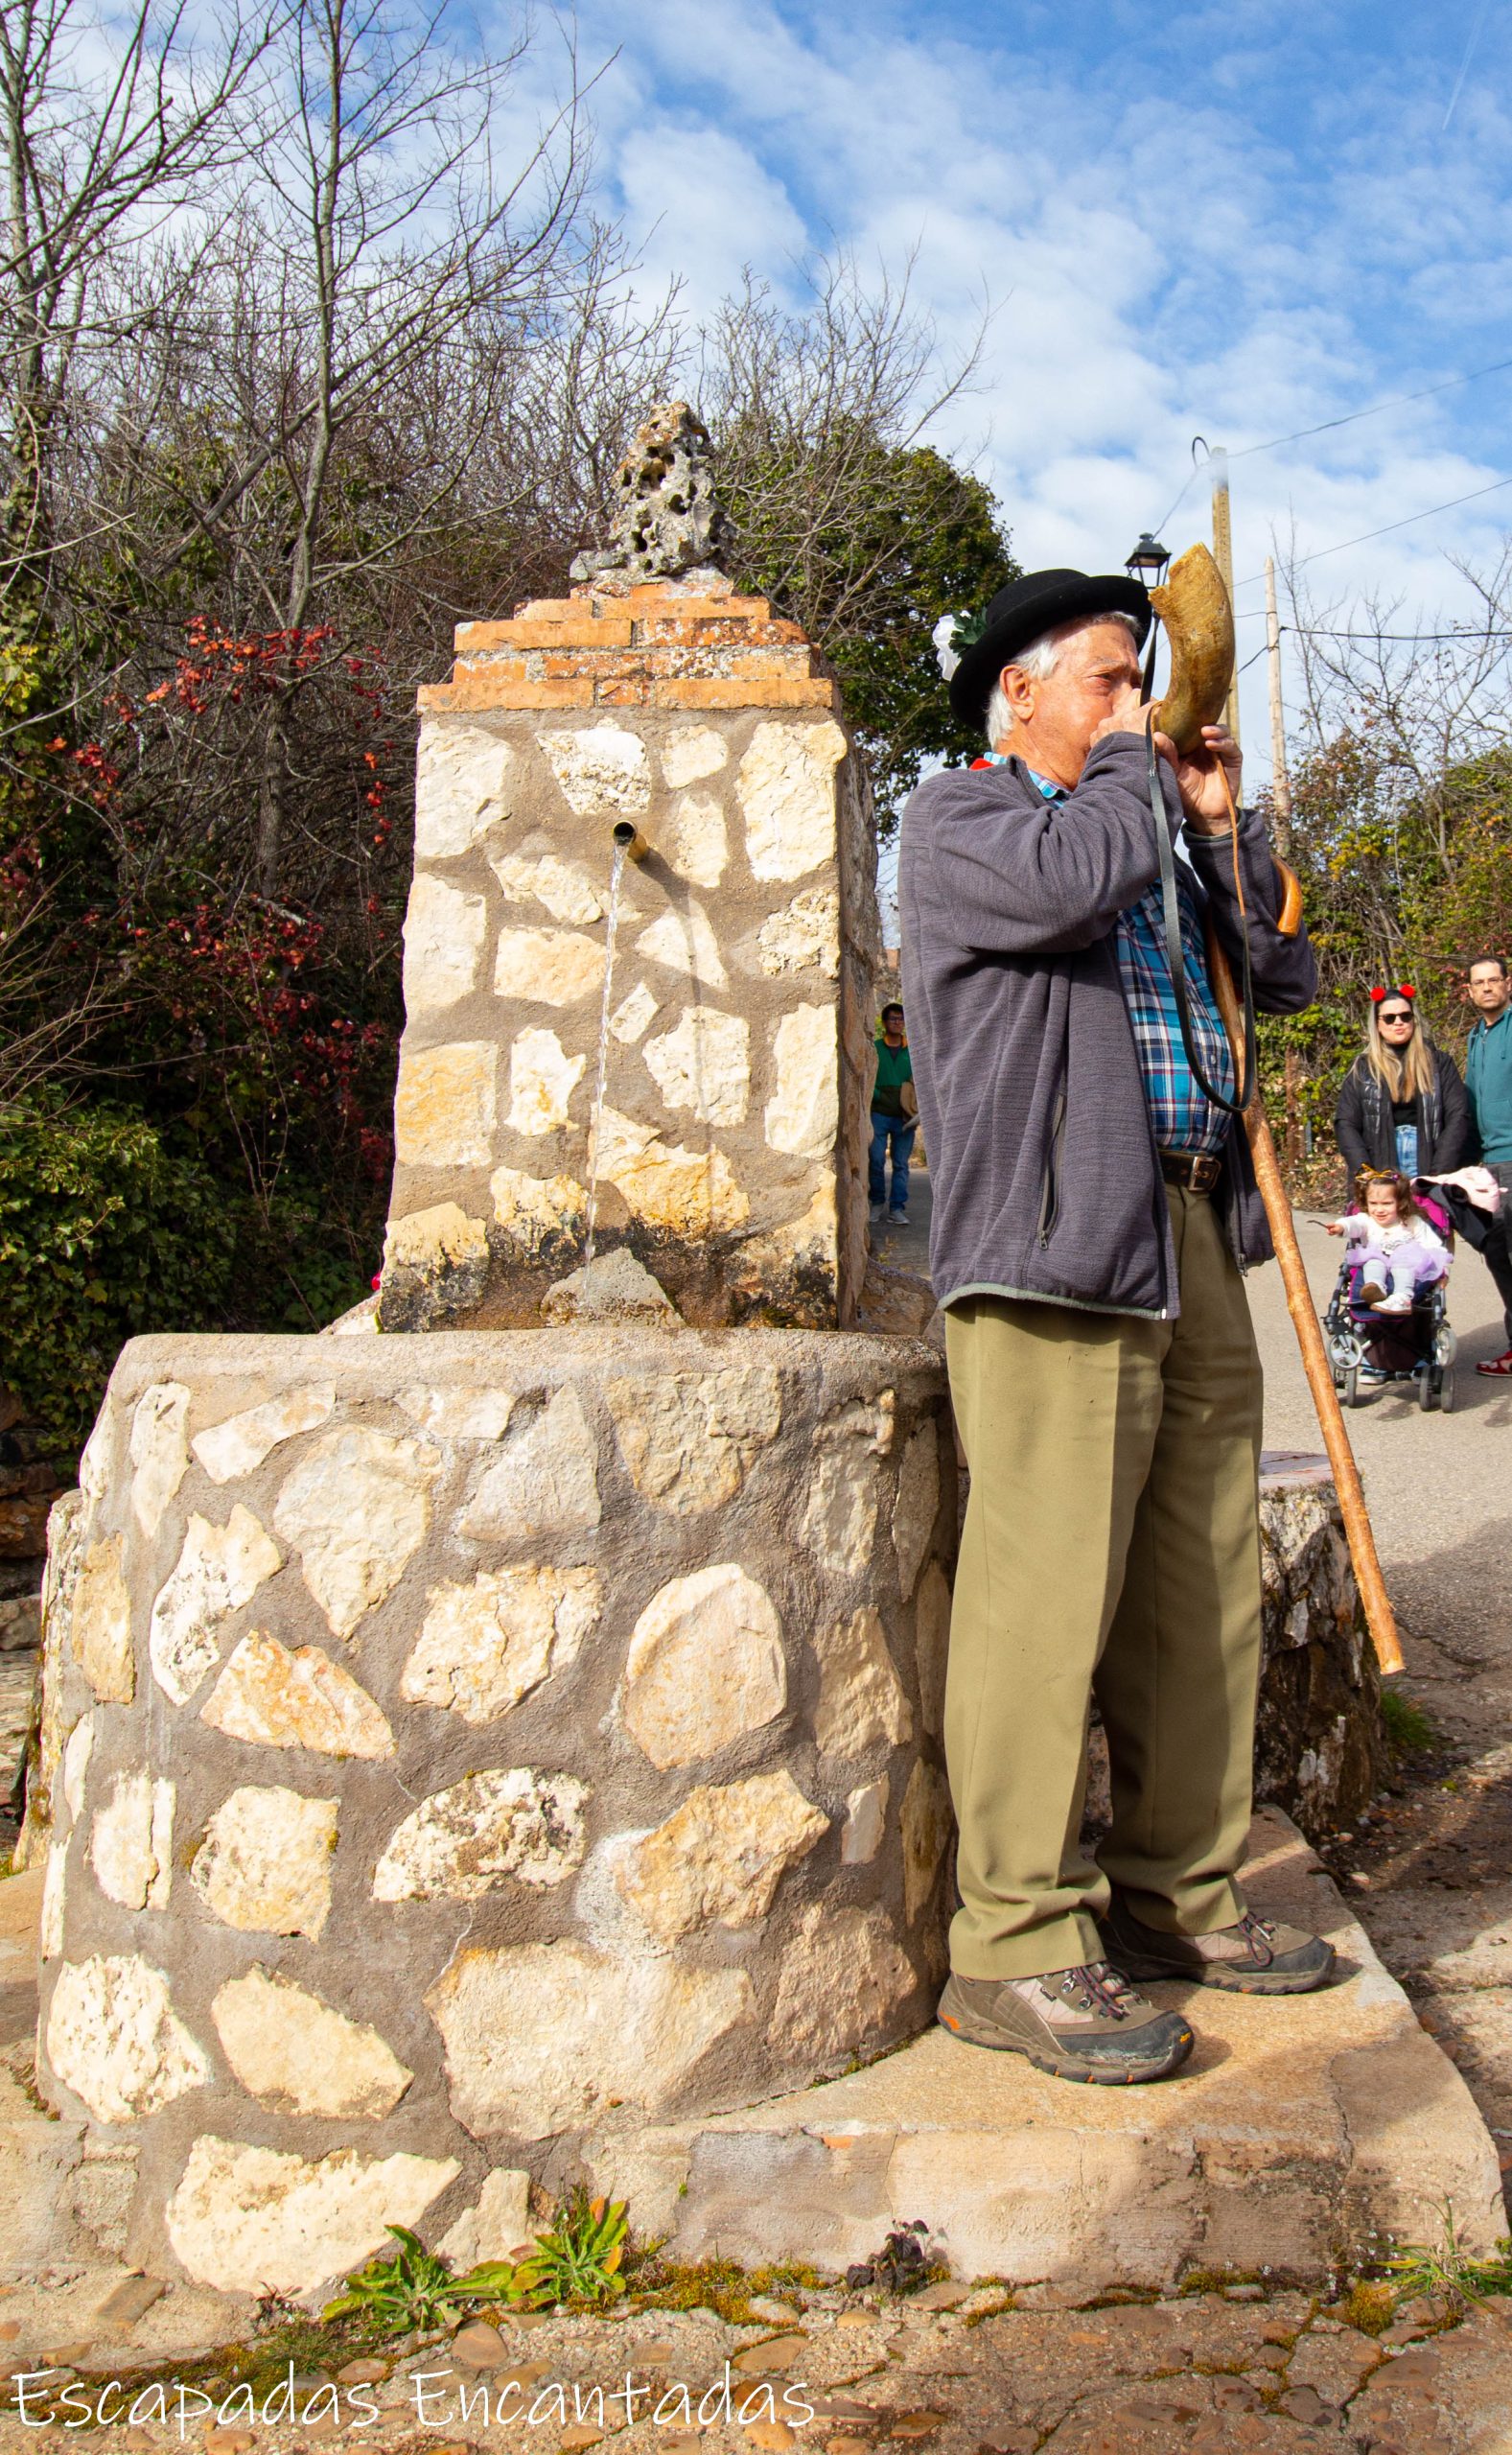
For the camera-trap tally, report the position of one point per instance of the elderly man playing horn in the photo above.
(1093, 1210)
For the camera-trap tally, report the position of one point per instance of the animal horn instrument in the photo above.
(1199, 621)
(1200, 625)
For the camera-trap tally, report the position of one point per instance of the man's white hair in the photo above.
(1039, 661)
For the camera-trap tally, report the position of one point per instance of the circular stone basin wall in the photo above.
(475, 1749)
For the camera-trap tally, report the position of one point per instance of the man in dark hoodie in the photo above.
(1093, 1211)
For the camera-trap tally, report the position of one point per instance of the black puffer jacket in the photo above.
(1363, 1128)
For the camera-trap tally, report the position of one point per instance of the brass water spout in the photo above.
(630, 841)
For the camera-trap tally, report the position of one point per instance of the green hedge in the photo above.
(103, 1234)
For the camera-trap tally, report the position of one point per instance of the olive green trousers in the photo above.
(1111, 1547)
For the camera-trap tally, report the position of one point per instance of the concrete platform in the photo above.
(1298, 2127)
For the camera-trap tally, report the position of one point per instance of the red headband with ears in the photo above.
(1403, 989)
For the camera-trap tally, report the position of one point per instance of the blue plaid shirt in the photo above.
(1183, 1116)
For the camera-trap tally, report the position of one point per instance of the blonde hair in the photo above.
(1410, 1076)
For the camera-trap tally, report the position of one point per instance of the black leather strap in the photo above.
(1177, 959)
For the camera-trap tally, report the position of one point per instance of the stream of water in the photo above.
(617, 873)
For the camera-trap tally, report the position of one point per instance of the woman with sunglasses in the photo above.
(1402, 1106)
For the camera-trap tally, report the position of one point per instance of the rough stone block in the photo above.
(542, 1080)
(598, 2030)
(274, 1695)
(692, 754)
(159, 1452)
(486, 1645)
(131, 1842)
(564, 887)
(600, 767)
(218, 1569)
(114, 2039)
(101, 1625)
(465, 1840)
(265, 1863)
(721, 1855)
(461, 789)
(444, 1108)
(355, 1509)
(253, 2220)
(239, 1444)
(300, 2056)
(443, 943)
(497, 2228)
(862, 1704)
(545, 1483)
(706, 1664)
(703, 1065)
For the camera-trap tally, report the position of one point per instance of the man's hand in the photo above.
(1129, 715)
(1200, 780)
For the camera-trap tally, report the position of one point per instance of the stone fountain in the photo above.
(472, 1746)
(501, 1745)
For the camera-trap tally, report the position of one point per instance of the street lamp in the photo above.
(1148, 561)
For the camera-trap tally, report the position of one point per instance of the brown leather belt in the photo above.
(1198, 1170)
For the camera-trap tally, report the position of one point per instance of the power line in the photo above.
(1328, 426)
(1391, 526)
(1308, 629)
(1397, 401)
(1422, 639)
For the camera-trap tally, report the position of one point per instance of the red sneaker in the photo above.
(1498, 1366)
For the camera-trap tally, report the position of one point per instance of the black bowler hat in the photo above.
(1024, 611)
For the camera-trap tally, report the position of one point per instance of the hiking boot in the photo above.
(1085, 2023)
(1256, 1957)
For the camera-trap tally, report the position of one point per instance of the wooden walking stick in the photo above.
(1194, 607)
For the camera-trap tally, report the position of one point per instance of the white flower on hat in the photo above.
(947, 654)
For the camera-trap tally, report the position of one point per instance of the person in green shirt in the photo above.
(1488, 1080)
(894, 1116)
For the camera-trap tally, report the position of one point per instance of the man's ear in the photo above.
(1020, 691)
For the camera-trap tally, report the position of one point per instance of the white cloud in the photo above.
(1245, 256)
(703, 209)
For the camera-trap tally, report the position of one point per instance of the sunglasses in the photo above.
(1396, 1013)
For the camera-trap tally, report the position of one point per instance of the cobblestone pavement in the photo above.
(951, 2371)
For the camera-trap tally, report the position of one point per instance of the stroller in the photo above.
(1416, 1348)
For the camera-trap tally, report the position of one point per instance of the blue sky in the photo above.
(1233, 221)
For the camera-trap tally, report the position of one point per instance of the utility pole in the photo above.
(1280, 781)
(1223, 557)
(1281, 829)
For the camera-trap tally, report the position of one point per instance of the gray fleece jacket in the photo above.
(1041, 1158)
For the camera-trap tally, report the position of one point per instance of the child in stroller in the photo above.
(1387, 1320)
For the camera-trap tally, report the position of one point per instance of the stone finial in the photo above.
(666, 517)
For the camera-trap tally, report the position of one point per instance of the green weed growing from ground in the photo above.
(1458, 2275)
(1407, 1728)
(416, 2289)
(578, 2260)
